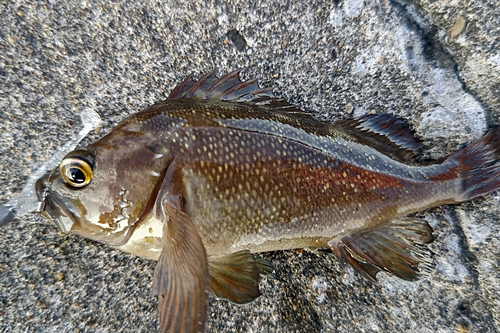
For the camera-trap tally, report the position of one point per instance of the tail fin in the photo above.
(480, 165)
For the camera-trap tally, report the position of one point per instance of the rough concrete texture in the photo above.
(335, 59)
(468, 31)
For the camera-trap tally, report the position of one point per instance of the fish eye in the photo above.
(76, 171)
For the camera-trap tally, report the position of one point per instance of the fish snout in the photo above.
(53, 207)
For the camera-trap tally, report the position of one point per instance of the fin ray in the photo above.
(266, 268)
(230, 89)
(197, 91)
(236, 276)
(396, 247)
(180, 90)
(478, 166)
(384, 132)
(342, 253)
(181, 276)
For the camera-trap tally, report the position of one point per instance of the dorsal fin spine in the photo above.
(230, 89)
(233, 76)
(180, 87)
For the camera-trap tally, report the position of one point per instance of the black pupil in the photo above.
(76, 175)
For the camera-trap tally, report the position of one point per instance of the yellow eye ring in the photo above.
(76, 171)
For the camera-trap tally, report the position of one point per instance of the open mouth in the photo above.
(53, 207)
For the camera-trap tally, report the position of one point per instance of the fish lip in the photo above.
(53, 207)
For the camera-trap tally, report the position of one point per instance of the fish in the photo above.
(223, 170)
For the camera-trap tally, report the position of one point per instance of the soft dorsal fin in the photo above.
(230, 89)
(384, 132)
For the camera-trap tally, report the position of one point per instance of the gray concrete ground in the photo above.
(435, 64)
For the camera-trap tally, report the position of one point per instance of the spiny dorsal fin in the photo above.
(230, 89)
(386, 133)
(397, 248)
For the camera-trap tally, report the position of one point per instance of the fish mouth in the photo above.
(53, 207)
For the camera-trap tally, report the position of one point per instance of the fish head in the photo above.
(99, 192)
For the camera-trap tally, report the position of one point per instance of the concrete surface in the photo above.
(335, 59)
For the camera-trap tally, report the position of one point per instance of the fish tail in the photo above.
(479, 166)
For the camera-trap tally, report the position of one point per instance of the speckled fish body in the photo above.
(223, 169)
(266, 181)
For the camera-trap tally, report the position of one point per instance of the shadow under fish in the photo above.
(223, 169)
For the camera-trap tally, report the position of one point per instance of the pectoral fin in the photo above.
(235, 277)
(181, 276)
(396, 248)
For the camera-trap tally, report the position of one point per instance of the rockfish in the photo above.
(223, 169)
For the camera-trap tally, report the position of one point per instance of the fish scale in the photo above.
(223, 169)
(303, 176)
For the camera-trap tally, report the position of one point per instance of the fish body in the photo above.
(223, 169)
(253, 181)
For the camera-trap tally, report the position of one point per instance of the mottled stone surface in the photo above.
(467, 30)
(334, 59)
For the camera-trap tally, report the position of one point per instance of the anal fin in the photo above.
(235, 277)
(396, 247)
(181, 276)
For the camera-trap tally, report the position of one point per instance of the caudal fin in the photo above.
(479, 165)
